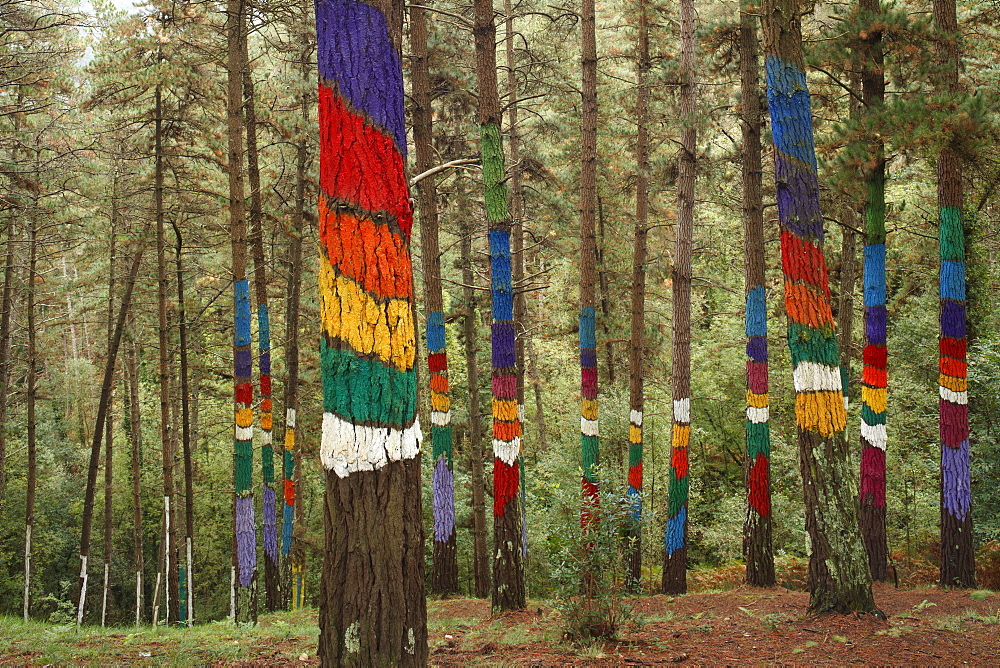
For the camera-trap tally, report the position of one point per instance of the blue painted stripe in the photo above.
(953, 280)
(286, 529)
(503, 292)
(242, 306)
(788, 99)
(673, 540)
(756, 313)
(874, 274)
(263, 327)
(435, 331)
(587, 321)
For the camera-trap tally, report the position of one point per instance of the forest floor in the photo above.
(741, 626)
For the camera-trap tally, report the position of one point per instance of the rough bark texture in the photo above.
(135, 441)
(508, 568)
(372, 605)
(186, 438)
(874, 375)
(758, 549)
(839, 579)
(108, 431)
(638, 308)
(480, 554)
(444, 577)
(32, 391)
(6, 311)
(957, 556)
(675, 540)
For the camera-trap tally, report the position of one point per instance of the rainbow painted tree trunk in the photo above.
(589, 438)
(246, 534)
(288, 474)
(839, 578)
(372, 608)
(443, 480)
(267, 448)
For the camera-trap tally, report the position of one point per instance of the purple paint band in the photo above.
(757, 377)
(875, 325)
(588, 357)
(954, 423)
(265, 363)
(243, 363)
(589, 383)
(952, 319)
(246, 543)
(757, 348)
(872, 474)
(356, 54)
(270, 525)
(798, 198)
(956, 489)
(443, 486)
(503, 345)
(504, 386)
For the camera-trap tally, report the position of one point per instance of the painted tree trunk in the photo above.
(633, 578)
(589, 433)
(508, 567)
(758, 549)
(957, 556)
(372, 606)
(244, 523)
(839, 579)
(674, 579)
(444, 577)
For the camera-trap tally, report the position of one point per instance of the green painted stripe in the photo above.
(952, 237)
(289, 465)
(493, 178)
(441, 439)
(870, 416)
(875, 212)
(243, 465)
(634, 453)
(366, 391)
(758, 439)
(267, 463)
(678, 495)
(812, 345)
(588, 448)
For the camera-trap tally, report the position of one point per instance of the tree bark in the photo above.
(6, 310)
(32, 392)
(372, 606)
(135, 438)
(839, 579)
(108, 432)
(508, 567)
(675, 554)
(636, 347)
(958, 567)
(444, 576)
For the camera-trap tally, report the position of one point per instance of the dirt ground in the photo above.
(925, 626)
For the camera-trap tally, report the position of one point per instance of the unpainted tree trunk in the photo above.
(32, 395)
(6, 311)
(135, 438)
(108, 432)
(675, 553)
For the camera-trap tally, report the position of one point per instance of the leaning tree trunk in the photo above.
(244, 522)
(958, 567)
(757, 542)
(32, 392)
(874, 377)
(444, 576)
(508, 565)
(839, 579)
(480, 554)
(372, 605)
(675, 542)
(589, 438)
(637, 349)
(108, 443)
(272, 579)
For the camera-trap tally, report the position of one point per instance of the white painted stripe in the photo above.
(847, 402)
(440, 418)
(348, 448)
(954, 397)
(507, 452)
(874, 434)
(266, 437)
(244, 433)
(813, 376)
(682, 410)
(635, 417)
(758, 415)
(588, 427)
(520, 413)
(290, 417)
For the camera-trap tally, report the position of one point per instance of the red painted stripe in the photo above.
(759, 482)
(803, 261)
(952, 347)
(505, 481)
(589, 384)
(266, 406)
(244, 393)
(952, 367)
(437, 362)
(679, 462)
(265, 385)
(876, 356)
(635, 476)
(360, 165)
(289, 493)
(873, 377)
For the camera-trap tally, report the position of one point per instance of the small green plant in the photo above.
(980, 595)
(63, 610)
(923, 605)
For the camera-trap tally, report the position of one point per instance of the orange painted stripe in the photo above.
(806, 306)
(439, 383)
(371, 255)
(506, 431)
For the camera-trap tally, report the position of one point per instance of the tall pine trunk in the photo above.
(675, 541)
(757, 541)
(135, 441)
(839, 579)
(372, 605)
(508, 566)
(31, 398)
(444, 577)
(108, 432)
(957, 557)
(6, 311)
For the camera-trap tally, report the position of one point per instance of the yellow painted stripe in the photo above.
(821, 412)
(505, 409)
(244, 417)
(289, 439)
(266, 423)
(682, 435)
(757, 400)
(874, 397)
(588, 408)
(440, 402)
(634, 434)
(953, 384)
(384, 329)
